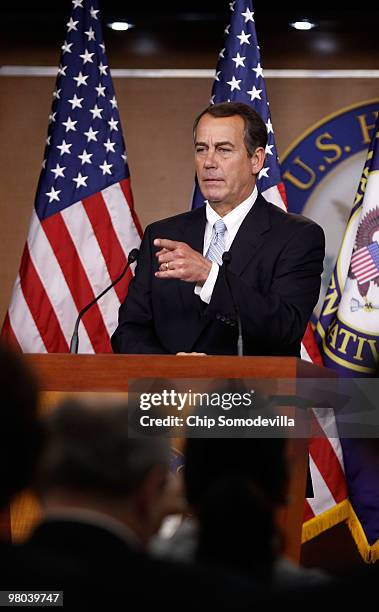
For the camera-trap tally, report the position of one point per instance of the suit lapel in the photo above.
(193, 235)
(250, 235)
(194, 228)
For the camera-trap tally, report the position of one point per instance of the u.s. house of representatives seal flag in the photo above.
(348, 335)
(83, 224)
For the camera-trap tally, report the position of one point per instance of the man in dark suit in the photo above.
(182, 298)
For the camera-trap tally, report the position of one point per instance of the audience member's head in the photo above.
(261, 462)
(91, 463)
(234, 487)
(21, 432)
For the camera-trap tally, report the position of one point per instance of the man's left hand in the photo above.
(178, 260)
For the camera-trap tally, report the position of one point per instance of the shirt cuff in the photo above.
(205, 291)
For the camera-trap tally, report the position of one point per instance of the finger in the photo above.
(177, 273)
(164, 243)
(167, 256)
(162, 252)
(166, 274)
(166, 266)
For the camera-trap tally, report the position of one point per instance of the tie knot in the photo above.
(219, 227)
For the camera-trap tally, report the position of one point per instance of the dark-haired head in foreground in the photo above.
(90, 462)
(21, 433)
(234, 487)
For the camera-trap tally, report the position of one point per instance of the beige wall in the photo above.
(156, 116)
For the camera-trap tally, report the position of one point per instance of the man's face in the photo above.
(225, 172)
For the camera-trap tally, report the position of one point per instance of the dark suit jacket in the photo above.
(97, 570)
(275, 269)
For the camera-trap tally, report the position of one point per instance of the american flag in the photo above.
(365, 263)
(239, 77)
(83, 225)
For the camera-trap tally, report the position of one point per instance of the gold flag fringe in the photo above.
(342, 512)
(324, 521)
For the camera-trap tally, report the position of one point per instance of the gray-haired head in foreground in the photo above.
(88, 450)
(255, 133)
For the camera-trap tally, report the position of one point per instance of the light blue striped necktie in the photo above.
(217, 245)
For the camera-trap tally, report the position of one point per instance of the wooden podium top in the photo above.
(65, 372)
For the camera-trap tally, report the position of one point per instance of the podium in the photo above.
(61, 374)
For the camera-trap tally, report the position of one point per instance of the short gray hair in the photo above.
(88, 449)
(255, 132)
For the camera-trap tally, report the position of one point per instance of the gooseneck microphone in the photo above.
(74, 344)
(227, 258)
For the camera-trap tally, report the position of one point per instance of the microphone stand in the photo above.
(74, 344)
(227, 258)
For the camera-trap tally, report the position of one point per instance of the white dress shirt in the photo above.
(233, 221)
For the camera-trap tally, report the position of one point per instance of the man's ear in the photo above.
(257, 160)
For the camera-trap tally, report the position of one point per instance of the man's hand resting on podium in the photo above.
(192, 354)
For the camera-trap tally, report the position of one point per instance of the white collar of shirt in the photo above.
(232, 220)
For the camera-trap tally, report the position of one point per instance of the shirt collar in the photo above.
(235, 216)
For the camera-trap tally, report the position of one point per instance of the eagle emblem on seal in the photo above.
(364, 265)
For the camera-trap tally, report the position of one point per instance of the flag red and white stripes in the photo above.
(68, 259)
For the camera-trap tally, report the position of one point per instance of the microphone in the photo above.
(74, 344)
(226, 259)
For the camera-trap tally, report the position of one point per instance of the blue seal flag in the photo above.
(348, 333)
